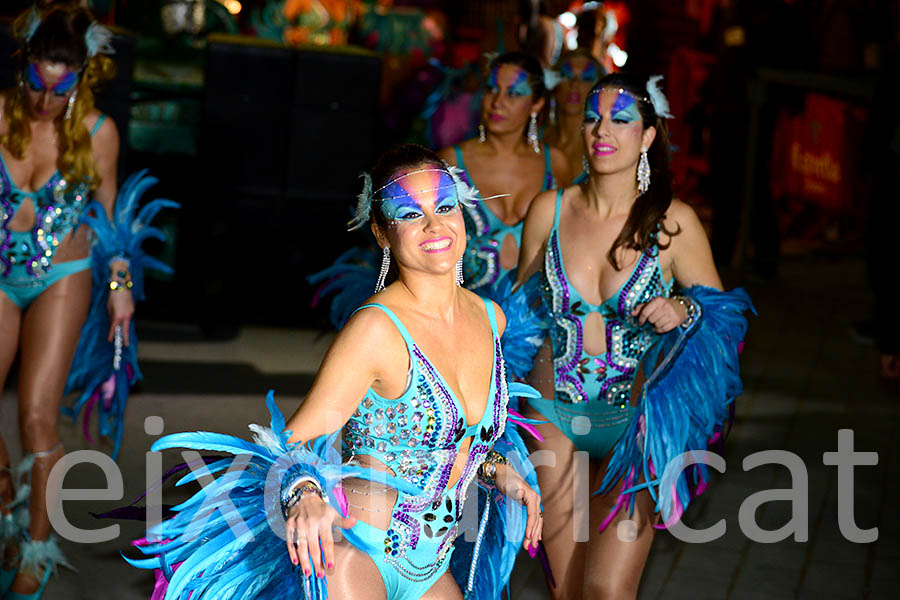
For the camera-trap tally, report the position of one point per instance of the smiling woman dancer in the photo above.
(507, 164)
(56, 153)
(610, 251)
(420, 418)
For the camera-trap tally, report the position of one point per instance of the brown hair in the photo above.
(644, 221)
(60, 39)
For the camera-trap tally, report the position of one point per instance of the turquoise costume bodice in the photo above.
(597, 386)
(485, 232)
(418, 436)
(26, 256)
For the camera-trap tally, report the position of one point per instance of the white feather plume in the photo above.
(32, 22)
(363, 204)
(657, 98)
(98, 40)
(551, 79)
(467, 194)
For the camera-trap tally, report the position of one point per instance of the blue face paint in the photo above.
(36, 82)
(518, 87)
(623, 110)
(400, 203)
(588, 75)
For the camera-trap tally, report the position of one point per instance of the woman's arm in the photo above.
(690, 258)
(559, 164)
(535, 231)
(448, 155)
(691, 255)
(367, 349)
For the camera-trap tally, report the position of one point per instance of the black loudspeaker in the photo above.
(114, 98)
(284, 136)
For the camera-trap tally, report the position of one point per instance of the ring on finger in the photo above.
(299, 538)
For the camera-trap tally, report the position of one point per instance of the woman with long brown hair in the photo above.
(507, 164)
(611, 251)
(57, 153)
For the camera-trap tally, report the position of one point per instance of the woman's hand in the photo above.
(665, 314)
(513, 486)
(308, 533)
(121, 308)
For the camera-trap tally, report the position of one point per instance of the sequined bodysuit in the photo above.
(418, 436)
(26, 257)
(485, 232)
(592, 392)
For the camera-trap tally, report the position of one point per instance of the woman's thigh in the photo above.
(564, 476)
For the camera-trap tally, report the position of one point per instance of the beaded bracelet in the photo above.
(690, 310)
(299, 488)
(115, 285)
(488, 469)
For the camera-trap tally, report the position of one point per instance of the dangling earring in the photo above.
(385, 265)
(643, 173)
(70, 104)
(21, 90)
(533, 134)
(459, 273)
(482, 138)
(553, 111)
(585, 164)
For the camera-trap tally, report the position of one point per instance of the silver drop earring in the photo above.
(643, 173)
(585, 164)
(70, 104)
(459, 273)
(482, 138)
(385, 265)
(533, 134)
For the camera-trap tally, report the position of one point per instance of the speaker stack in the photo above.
(284, 136)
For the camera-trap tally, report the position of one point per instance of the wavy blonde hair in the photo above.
(60, 38)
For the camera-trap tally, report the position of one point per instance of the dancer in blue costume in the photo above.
(611, 252)
(56, 153)
(416, 384)
(577, 71)
(508, 164)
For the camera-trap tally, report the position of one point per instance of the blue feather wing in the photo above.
(92, 371)
(695, 378)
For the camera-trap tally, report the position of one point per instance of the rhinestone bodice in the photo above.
(27, 255)
(418, 436)
(485, 232)
(581, 377)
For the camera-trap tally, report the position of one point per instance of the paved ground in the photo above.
(805, 380)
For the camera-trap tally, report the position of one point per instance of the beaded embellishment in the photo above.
(418, 436)
(577, 374)
(58, 209)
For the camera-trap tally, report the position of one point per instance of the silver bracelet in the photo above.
(690, 310)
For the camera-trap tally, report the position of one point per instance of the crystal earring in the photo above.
(70, 104)
(643, 173)
(385, 265)
(552, 115)
(533, 134)
(482, 138)
(459, 273)
(585, 164)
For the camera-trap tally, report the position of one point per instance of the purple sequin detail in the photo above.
(6, 214)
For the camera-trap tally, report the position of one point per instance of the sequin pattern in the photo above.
(418, 436)
(581, 377)
(58, 210)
